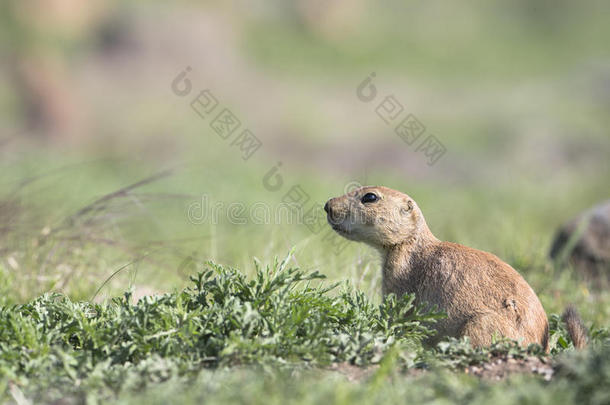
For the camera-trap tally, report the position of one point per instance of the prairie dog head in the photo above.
(378, 216)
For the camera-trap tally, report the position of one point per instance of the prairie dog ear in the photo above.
(407, 206)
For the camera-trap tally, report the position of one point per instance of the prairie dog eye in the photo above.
(369, 198)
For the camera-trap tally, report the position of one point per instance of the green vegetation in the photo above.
(223, 320)
(517, 92)
(284, 319)
(586, 384)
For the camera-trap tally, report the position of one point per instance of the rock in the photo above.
(584, 242)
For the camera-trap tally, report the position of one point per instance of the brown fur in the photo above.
(482, 295)
(576, 329)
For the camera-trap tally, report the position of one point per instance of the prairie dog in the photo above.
(482, 295)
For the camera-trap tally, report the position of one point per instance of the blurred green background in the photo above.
(517, 92)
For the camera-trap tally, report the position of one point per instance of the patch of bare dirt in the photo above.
(354, 373)
(495, 370)
(501, 368)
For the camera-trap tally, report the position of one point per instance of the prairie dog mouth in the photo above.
(339, 228)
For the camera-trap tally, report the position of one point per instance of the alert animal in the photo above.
(482, 296)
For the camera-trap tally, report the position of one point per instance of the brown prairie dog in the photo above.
(482, 295)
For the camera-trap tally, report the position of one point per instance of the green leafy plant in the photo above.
(282, 315)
